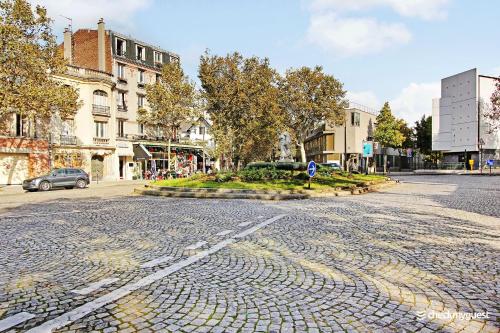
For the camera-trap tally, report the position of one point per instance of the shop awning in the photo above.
(141, 153)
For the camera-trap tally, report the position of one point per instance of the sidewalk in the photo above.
(14, 196)
(427, 172)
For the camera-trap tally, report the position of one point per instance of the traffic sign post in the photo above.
(490, 164)
(311, 171)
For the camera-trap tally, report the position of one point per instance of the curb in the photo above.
(214, 193)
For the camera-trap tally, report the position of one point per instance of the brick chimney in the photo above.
(101, 45)
(68, 46)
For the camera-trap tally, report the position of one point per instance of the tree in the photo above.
(310, 97)
(408, 134)
(492, 115)
(242, 98)
(172, 102)
(387, 130)
(29, 60)
(423, 134)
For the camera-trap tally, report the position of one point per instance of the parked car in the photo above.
(331, 166)
(65, 177)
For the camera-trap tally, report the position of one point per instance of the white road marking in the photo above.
(156, 262)
(244, 224)
(224, 233)
(94, 286)
(260, 217)
(14, 320)
(83, 310)
(196, 246)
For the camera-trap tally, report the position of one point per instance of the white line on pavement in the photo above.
(85, 309)
(14, 320)
(196, 246)
(224, 233)
(156, 262)
(94, 286)
(244, 224)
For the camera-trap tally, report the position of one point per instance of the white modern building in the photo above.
(458, 123)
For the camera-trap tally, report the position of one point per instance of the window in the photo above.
(67, 127)
(193, 130)
(121, 47)
(121, 71)
(61, 172)
(140, 52)
(100, 129)
(140, 76)
(121, 132)
(158, 78)
(21, 125)
(100, 98)
(140, 128)
(202, 130)
(158, 57)
(121, 99)
(140, 101)
(355, 118)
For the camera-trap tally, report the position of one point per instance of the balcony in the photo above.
(89, 74)
(100, 110)
(101, 141)
(67, 140)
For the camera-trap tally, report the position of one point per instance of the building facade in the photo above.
(110, 71)
(328, 144)
(458, 124)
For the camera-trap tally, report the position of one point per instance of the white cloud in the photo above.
(351, 36)
(366, 98)
(410, 104)
(415, 100)
(424, 9)
(86, 13)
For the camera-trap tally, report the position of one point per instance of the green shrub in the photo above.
(278, 165)
(223, 177)
(258, 174)
(301, 176)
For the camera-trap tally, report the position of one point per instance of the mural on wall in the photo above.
(68, 160)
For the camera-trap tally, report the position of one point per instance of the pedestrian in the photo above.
(388, 166)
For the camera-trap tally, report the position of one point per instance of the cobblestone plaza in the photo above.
(422, 255)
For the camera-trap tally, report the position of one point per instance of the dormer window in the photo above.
(158, 57)
(121, 47)
(140, 52)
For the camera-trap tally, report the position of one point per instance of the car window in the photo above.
(61, 172)
(72, 171)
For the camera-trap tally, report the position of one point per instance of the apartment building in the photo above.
(110, 71)
(458, 124)
(327, 144)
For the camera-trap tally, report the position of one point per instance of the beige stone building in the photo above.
(327, 144)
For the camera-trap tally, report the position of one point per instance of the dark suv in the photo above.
(68, 178)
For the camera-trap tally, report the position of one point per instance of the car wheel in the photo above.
(80, 183)
(44, 186)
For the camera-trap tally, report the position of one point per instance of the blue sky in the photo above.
(394, 50)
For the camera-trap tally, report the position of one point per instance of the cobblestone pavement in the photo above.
(420, 256)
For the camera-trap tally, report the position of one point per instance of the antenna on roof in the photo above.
(70, 25)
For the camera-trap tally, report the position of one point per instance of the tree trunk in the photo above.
(168, 156)
(385, 164)
(302, 152)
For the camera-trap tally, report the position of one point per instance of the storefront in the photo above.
(184, 160)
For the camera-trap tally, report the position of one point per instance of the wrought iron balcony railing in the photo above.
(101, 110)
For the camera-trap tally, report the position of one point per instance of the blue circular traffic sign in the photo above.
(311, 169)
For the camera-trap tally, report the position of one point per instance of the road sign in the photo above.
(489, 162)
(368, 149)
(311, 169)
